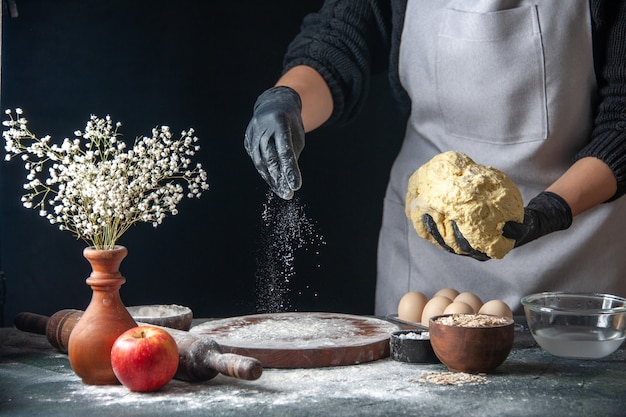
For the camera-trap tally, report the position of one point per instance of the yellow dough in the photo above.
(481, 199)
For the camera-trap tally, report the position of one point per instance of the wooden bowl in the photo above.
(471, 349)
(170, 315)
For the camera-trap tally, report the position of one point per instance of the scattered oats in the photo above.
(453, 378)
(473, 320)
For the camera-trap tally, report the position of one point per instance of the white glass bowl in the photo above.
(576, 325)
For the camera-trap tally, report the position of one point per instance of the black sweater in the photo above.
(348, 41)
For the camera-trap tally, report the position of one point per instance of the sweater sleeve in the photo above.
(346, 41)
(608, 140)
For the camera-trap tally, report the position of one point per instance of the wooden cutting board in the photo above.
(302, 339)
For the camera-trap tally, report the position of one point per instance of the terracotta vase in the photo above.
(106, 317)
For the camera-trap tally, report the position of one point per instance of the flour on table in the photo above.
(295, 330)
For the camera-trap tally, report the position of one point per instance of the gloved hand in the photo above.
(275, 137)
(546, 213)
(467, 249)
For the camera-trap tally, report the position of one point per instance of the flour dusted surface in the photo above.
(297, 330)
(302, 339)
(294, 329)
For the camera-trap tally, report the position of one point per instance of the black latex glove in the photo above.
(544, 214)
(431, 226)
(274, 139)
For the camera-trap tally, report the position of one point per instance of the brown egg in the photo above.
(496, 308)
(451, 293)
(434, 307)
(458, 307)
(472, 299)
(411, 306)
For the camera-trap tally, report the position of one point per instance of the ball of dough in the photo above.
(479, 198)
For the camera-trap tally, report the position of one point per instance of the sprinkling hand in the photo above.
(274, 139)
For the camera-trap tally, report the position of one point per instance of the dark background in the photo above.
(197, 64)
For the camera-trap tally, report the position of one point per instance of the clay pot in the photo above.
(471, 349)
(90, 342)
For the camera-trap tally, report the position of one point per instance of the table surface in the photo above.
(36, 380)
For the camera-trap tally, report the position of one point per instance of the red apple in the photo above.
(144, 358)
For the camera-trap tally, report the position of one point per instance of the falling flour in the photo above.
(285, 229)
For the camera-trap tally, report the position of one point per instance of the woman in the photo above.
(533, 88)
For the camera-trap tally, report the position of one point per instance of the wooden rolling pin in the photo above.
(200, 357)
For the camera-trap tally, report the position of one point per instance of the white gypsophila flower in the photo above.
(96, 188)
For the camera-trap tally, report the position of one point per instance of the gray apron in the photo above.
(511, 84)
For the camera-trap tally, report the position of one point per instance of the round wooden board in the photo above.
(302, 339)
